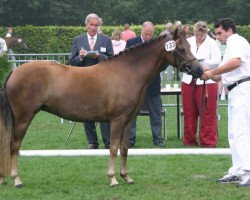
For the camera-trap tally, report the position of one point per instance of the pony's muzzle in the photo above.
(195, 71)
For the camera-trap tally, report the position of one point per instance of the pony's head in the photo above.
(14, 41)
(181, 56)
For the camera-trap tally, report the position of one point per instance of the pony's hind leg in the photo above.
(124, 155)
(18, 135)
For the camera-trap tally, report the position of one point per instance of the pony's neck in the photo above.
(148, 59)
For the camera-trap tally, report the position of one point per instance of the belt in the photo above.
(230, 87)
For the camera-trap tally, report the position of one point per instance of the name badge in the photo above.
(170, 45)
(103, 49)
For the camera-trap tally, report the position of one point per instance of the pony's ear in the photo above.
(176, 35)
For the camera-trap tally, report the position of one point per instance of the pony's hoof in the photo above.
(114, 184)
(19, 186)
(131, 182)
(3, 183)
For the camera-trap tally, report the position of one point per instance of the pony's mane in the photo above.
(141, 45)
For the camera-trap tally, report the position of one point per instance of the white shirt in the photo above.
(237, 47)
(208, 52)
(8, 35)
(89, 37)
(3, 46)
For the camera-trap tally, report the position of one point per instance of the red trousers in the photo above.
(192, 102)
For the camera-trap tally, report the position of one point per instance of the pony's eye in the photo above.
(182, 50)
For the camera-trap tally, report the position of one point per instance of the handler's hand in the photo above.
(207, 75)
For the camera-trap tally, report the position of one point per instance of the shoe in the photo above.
(229, 178)
(107, 146)
(160, 144)
(93, 146)
(245, 182)
(131, 145)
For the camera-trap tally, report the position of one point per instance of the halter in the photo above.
(183, 64)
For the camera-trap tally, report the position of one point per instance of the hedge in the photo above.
(58, 39)
(5, 68)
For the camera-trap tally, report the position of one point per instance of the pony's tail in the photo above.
(6, 128)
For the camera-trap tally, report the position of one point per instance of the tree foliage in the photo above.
(116, 12)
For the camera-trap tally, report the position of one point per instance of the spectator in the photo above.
(169, 30)
(10, 32)
(187, 30)
(3, 46)
(99, 31)
(178, 25)
(234, 71)
(117, 42)
(200, 101)
(127, 33)
(153, 95)
(81, 45)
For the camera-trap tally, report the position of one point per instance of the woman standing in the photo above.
(118, 43)
(199, 98)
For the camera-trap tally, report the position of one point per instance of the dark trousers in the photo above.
(90, 131)
(154, 104)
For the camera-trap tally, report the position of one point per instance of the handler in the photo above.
(234, 71)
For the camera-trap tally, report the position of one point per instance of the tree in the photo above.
(117, 12)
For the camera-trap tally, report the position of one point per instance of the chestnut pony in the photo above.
(109, 91)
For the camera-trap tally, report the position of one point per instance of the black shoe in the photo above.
(229, 179)
(160, 144)
(131, 145)
(93, 146)
(107, 146)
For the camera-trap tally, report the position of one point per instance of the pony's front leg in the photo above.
(124, 156)
(111, 171)
(2, 180)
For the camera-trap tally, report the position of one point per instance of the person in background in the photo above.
(234, 71)
(169, 30)
(118, 43)
(178, 25)
(92, 41)
(187, 30)
(127, 33)
(99, 31)
(153, 93)
(3, 46)
(199, 98)
(10, 32)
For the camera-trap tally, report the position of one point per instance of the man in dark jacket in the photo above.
(83, 54)
(153, 93)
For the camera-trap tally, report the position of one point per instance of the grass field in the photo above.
(172, 177)
(156, 178)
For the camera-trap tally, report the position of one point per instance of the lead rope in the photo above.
(203, 102)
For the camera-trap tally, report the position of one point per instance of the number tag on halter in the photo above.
(170, 45)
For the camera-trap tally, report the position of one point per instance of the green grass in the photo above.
(156, 177)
